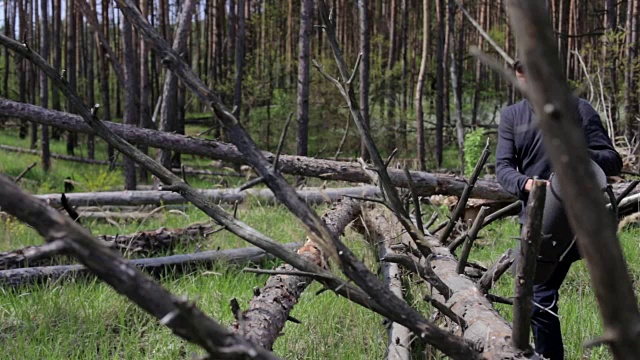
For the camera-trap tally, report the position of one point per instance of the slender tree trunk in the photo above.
(145, 107)
(304, 40)
(612, 59)
(169, 109)
(71, 65)
(631, 91)
(426, 14)
(8, 30)
(32, 73)
(365, 64)
(237, 92)
(22, 74)
(440, 83)
(44, 85)
(131, 89)
(455, 84)
(90, 49)
(402, 120)
(104, 71)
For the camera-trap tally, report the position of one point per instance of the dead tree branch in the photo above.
(495, 272)
(526, 267)
(471, 237)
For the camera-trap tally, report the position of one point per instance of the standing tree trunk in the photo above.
(402, 119)
(455, 84)
(8, 30)
(390, 86)
(631, 91)
(612, 59)
(145, 108)
(420, 86)
(22, 75)
(440, 83)
(71, 65)
(131, 90)
(44, 85)
(168, 109)
(104, 70)
(32, 72)
(304, 40)
(237, 90)
(365, 65)
(90, 48)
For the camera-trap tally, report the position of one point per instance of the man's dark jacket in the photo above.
(521, 155)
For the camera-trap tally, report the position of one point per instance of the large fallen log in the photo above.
(228, 196)
(490, 333)
(425, 183)
(142, 243)
(268, 311)
(174, 264)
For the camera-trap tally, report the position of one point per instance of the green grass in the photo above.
(85, 319)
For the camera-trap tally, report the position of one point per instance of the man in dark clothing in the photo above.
(520, 156)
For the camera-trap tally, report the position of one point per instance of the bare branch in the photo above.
(526, 266)
(424, 272)
(473, 233)
(495, 271)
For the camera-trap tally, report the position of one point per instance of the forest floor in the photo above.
(85, 319)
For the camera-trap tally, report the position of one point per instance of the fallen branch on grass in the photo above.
(141, 243)
(217, 196)
(174, 265)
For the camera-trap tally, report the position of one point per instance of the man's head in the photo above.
(518, 68)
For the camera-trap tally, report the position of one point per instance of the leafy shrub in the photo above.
(474, 142)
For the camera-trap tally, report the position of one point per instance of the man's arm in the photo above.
(506, 166)
(600, 147)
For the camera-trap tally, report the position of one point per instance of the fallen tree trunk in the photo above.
(54, 156)
(484, 326)
(142, 243)
(398, 347)
(269, 310)
(174, 264)
(186, 170)
(425, 183)
(229, 196)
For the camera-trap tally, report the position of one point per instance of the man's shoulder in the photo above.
(512, 111)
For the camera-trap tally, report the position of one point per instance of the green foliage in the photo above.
(474, 143)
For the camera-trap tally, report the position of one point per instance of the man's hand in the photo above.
(529, 185)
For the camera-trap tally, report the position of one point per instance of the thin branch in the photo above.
(283, 136)
(462, 201)
(416, 201)
(24, 172)
(291, 273)
(424, 272)
(473, 233)
(496, 270)
(485, 35)
(506, 73)
(446, 311)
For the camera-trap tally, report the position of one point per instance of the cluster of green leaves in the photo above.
(474, 143)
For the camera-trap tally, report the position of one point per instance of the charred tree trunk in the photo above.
(44, 83)
(239, 56)
(131, 90)
(70, 59)
(365, 65)
(169, 107)
(304, 41)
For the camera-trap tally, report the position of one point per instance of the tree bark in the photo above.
(455, 83)
(71, 66)
(22, 64)
(239, 56)
(365, 66)
(228, 196)
(44, 84)
(440, 68)
(268, 311)
(420, 135)
(131, 99)
(304, 42)
(169, 107)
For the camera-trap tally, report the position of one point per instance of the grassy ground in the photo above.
(85, 319)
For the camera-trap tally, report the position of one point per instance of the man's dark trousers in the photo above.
(544, 324)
